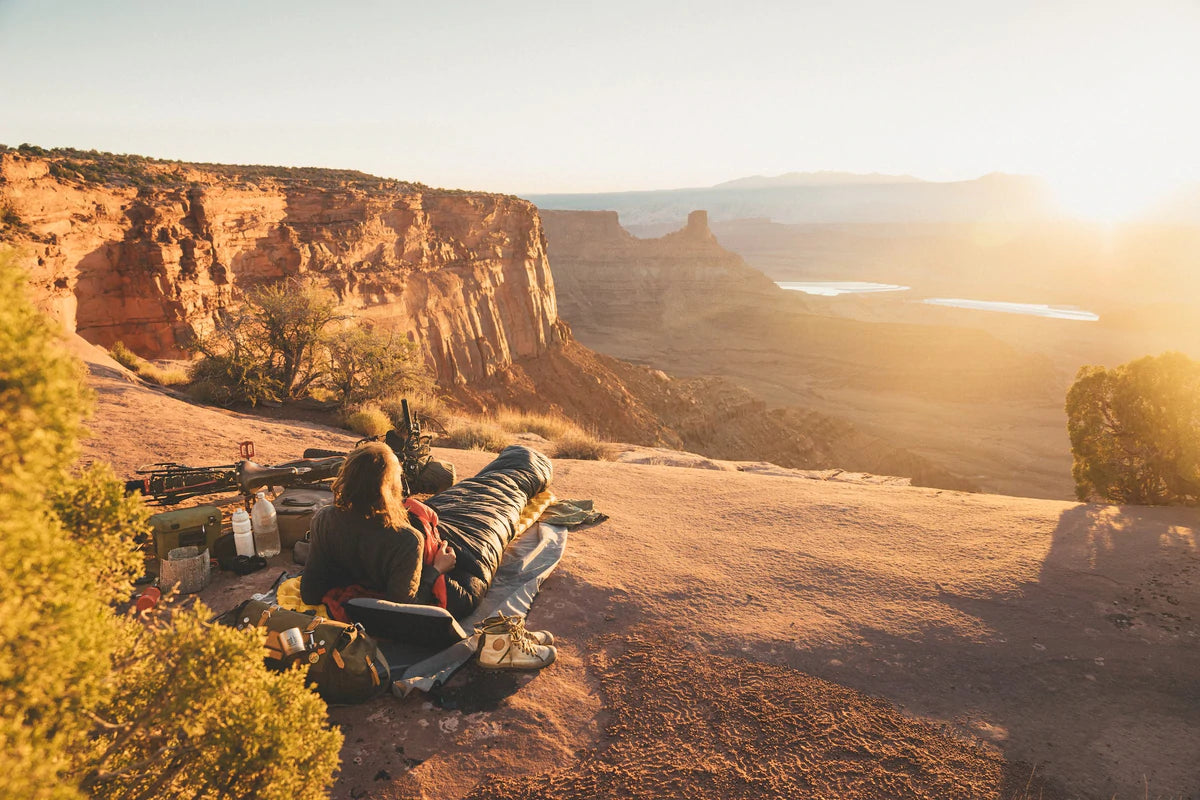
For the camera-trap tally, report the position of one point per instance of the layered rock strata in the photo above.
(463, 274)
(609, 280)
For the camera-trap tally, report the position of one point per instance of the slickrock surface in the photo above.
(841, 639)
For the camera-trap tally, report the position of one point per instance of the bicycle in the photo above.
(167, 483)
(412, 447)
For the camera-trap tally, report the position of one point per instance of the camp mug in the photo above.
(291, 641)
(148, 598)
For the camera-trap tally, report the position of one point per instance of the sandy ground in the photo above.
(745, 634)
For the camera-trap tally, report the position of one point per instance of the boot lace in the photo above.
(520, 637)
(514, 626)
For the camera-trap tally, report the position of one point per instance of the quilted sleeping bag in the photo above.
(478, 517)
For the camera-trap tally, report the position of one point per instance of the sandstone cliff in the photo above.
(146, 252)
(608, 280)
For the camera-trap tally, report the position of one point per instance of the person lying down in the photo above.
(366, 539)
(366, 545)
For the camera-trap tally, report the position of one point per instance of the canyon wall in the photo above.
(149, 260)
(608, 280)
(949, 406)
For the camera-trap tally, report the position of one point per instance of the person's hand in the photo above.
(445, 559)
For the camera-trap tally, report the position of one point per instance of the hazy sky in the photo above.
(566, 96)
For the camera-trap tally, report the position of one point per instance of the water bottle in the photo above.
(243, 539)
(266, 527)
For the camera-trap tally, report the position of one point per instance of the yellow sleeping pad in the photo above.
(288, 596)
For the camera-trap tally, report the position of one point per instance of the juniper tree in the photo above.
(96, 703)
(1135, 431)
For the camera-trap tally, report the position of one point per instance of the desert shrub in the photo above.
(368, 420)
(9, 218)
(475, 434)
(1135, 431)
(545, 425)
(56, 658)
(278, 345)
(197, 714)
(105, 524)
(292, 316)
(96, 703)
(235, 363)
(365, 362)
(582, 446)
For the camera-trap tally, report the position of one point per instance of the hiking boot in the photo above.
(507, 645)
(503, 624)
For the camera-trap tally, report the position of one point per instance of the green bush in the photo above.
(197, 714)
(364, 363)
(106, 525)
(1135, 431)
(278, 346)
(368, 421)
(235, 363)
(93, 703)
(55, 629)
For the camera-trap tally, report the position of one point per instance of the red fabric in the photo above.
(433, 542)
(336, 599)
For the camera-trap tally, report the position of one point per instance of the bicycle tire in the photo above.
(317, 452)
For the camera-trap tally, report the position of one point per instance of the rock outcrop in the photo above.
(463, 274)
(606, 279)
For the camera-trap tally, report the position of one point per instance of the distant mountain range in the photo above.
(826, 197)
(821, 178)
(845, 197)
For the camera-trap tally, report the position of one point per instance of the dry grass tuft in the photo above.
(583, 446)
(132, 361)
(164, 377)
(547, 426)
(475, 434)
(125, 357)
(368, 420)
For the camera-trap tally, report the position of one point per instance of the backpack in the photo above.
(344, 663)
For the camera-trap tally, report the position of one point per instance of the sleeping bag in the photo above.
(478, 517)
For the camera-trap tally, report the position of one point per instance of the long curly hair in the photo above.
(370, 485)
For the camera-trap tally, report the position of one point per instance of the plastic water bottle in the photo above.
(266, 527)
(243, 538)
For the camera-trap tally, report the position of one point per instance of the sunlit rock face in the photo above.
(463, 274)
(607, 279)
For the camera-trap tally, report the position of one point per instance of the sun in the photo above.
(1110, 194)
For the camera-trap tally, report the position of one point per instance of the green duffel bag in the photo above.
(344, 663)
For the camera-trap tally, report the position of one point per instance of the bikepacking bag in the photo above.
(344, 663)
(294, 509)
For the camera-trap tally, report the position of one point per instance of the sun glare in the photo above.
(1109, 195)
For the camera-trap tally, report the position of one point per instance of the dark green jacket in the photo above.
(348, 550)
